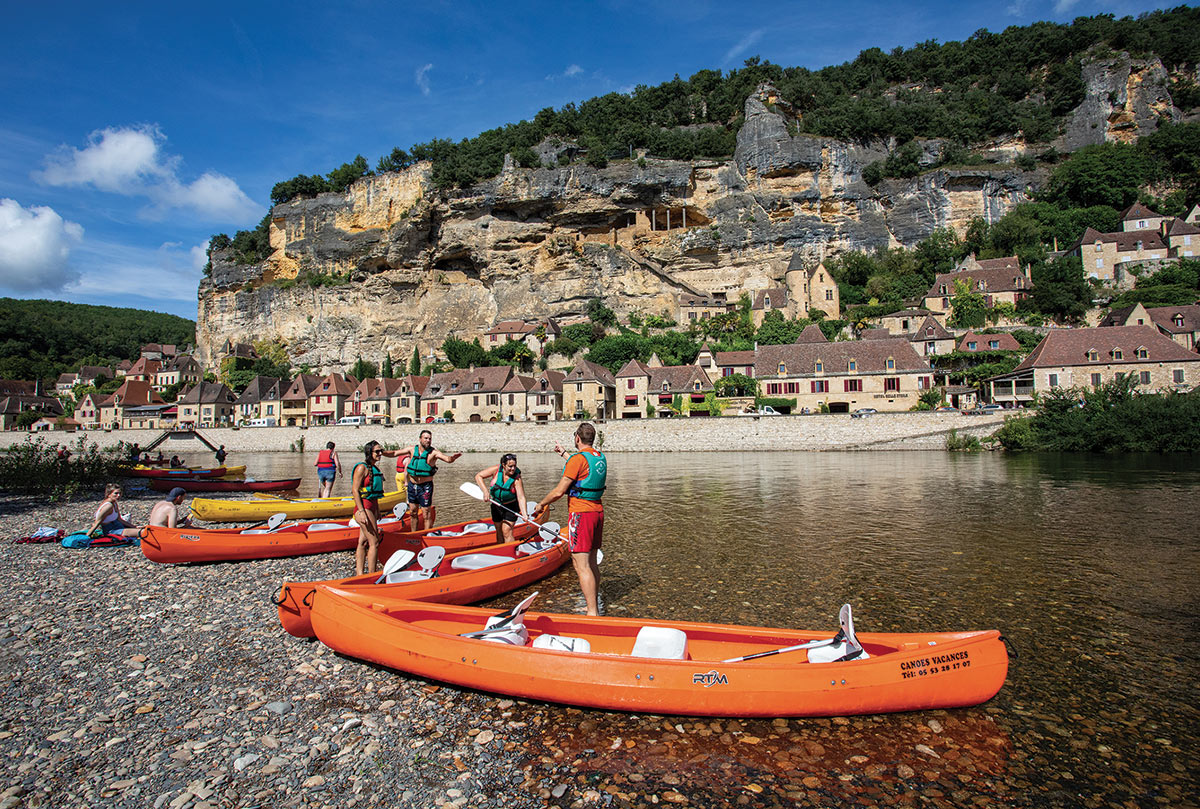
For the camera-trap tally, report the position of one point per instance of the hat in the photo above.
(178, 491)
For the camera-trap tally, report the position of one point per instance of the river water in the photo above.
(1088, 564)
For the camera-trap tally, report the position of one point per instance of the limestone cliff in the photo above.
(418, 264)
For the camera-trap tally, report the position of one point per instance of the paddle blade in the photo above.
(531, 505)
(471, 490)
(550, 531)
(396, 562)
(276, 520)
(599, 555)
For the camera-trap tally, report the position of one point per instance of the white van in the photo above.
(355, 420)
(267, 422)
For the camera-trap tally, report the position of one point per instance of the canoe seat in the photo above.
(325, 526)
(478, 528)
(562, 643)
(532, 547)
(662, 642)
(429, 558)
(256, 531)
(475, 561)
(513, 633)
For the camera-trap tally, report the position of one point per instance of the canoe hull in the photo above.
(211, 510)
(191, 472)
(905, 672)
(449, 587)
(219, 485)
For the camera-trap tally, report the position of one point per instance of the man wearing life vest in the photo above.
(583, 481)
(422, 466)
(328, 468)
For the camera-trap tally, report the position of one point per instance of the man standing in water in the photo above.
(422, 466)
(583, 481)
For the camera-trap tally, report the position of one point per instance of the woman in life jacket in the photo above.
(329, 466)
(366, 482)
(507, 492)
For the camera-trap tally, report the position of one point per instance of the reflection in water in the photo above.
(1088, 564)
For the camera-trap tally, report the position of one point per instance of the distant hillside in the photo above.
(42, 339)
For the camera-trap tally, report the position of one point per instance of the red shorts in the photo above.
(585, 531)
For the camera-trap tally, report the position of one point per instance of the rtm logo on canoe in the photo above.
(710, 678)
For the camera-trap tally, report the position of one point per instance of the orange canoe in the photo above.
(176, 545)
(462, 577)
(619, 663)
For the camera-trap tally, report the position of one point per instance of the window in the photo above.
(852, 366)
(1142, 353)
(791, 387)
(942, 289)
(629, 384)
(782, 369)
(1178, 320)
(691, 315)
(1177, 376)
(1093, 355)
(945, 303)
(494, 398)
(1099, 264)
(820, 367)
(666, 385)
(1095, 380)
(1099, 247)
(433, 408)
(476, 402)
(1118, 354)
(726, 372)
(599, 390)
(630, 400)
(773, 389)
(695, 386)
(993, 344)
(971, 346)
(891, 364)
(820, 386)
(891, 383)
(924, 383)
(853, 385)
(1052, 380)
(1144, 377)
(579, 387)
(543, 400)
(829, 294)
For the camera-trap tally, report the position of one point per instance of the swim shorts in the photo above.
(420, 494)
(585, 531)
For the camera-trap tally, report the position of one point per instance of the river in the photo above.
(1088, 564)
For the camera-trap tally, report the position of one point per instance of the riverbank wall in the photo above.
(811, 433)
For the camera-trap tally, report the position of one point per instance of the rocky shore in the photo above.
(132, 684)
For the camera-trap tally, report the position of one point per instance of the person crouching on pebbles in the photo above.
(507, 493)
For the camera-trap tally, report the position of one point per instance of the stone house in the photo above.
(18, 396)
(206, 404)
(534, 335)
(514, 398)
(641, 384)
(132, 393)
(181, 370)
(328, 401)
(906, 321)
(929, 338)
(1147, 240)
(163, 352)
(972, 342)
(811, 288)
(293, 405)
(149, 417)
(886, 374)
(1180, 323)
(725, 363)
(65, 383)
(87, 412)
(589, 388)
(249, 405)
(468, 394)
(544, 398)
(1079, 358)
(999, 280)
(701, 307)
(764, 301)
(145, 370)
(405, 404)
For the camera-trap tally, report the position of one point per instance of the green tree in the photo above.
(387, 366)
(968, 309)
(345, 174)
(462, 354)
(600, 314)
(1059, 290)
(361, 369)
(414, 364)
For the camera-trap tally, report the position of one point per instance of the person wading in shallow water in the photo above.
(329, 466)
(583, 481)
(505, 487)
(422, 466)
(366, 481)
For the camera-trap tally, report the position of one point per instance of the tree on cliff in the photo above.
(414, 365)
(386, 370)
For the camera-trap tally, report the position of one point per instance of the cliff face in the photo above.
(420, 264)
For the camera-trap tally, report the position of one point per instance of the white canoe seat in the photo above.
(533, 546)
(325, 526)
(478, 528)
(511, 633)
(429, 558)
(387, 520)
(562, 643)
(845, 646)
(662, 642)
(475, 561)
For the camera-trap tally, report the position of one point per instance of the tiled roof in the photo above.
(467, 380)
(518, 384)
(260, 387)
(871, 334)
(301, 387)
(777, 297)
(208, 393)
(812, 334)
(1070, 347)
(335, 385)
(725, 359)
(994, 279)
(679, 378)
(1118, 316)
(909, 313)
(930, 329)
(133, 392)
(1138, 211)
(511, 327)
(1179, 227)
(586, 371)
(1164, 317)
(870, 357)
(633, 368)
(1126, 242)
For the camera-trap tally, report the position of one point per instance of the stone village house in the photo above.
(652, 383)
(468, 394)
(589, 391)
(1081, 358)
(1180, 323)
(206, 404)
(294, 402)
(327, 402)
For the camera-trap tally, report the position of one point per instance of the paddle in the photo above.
(812, 644)
(471, 490)
(507, 619)
(397, 561)
(845, 633)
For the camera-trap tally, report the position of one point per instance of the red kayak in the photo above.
(196, 484)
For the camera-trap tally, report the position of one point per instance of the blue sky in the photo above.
(133, 131)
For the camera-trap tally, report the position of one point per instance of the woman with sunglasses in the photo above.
(367, 484)
(507, 493)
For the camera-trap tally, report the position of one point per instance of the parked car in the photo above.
(354, 420)
(946, 409)
(765, 410)
(863, 412)
(982, 410)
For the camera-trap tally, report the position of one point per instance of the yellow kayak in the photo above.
(214, 510)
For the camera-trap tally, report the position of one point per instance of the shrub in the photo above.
(33, 467)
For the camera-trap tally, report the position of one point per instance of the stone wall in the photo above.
(814, 433)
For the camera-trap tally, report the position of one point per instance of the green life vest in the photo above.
(592, 486)
(374, 489)
(502, 490)
(419, 465)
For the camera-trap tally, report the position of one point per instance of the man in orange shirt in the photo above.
(583, 481)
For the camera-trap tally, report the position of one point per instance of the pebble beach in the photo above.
(132, 684)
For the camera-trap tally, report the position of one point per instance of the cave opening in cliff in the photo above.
(462, 263)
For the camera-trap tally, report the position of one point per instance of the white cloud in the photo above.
(170, 272)
(573, 70)
(743, 45)
(35, 248)
(1063, 6)
(131, 161)
(422, 78)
